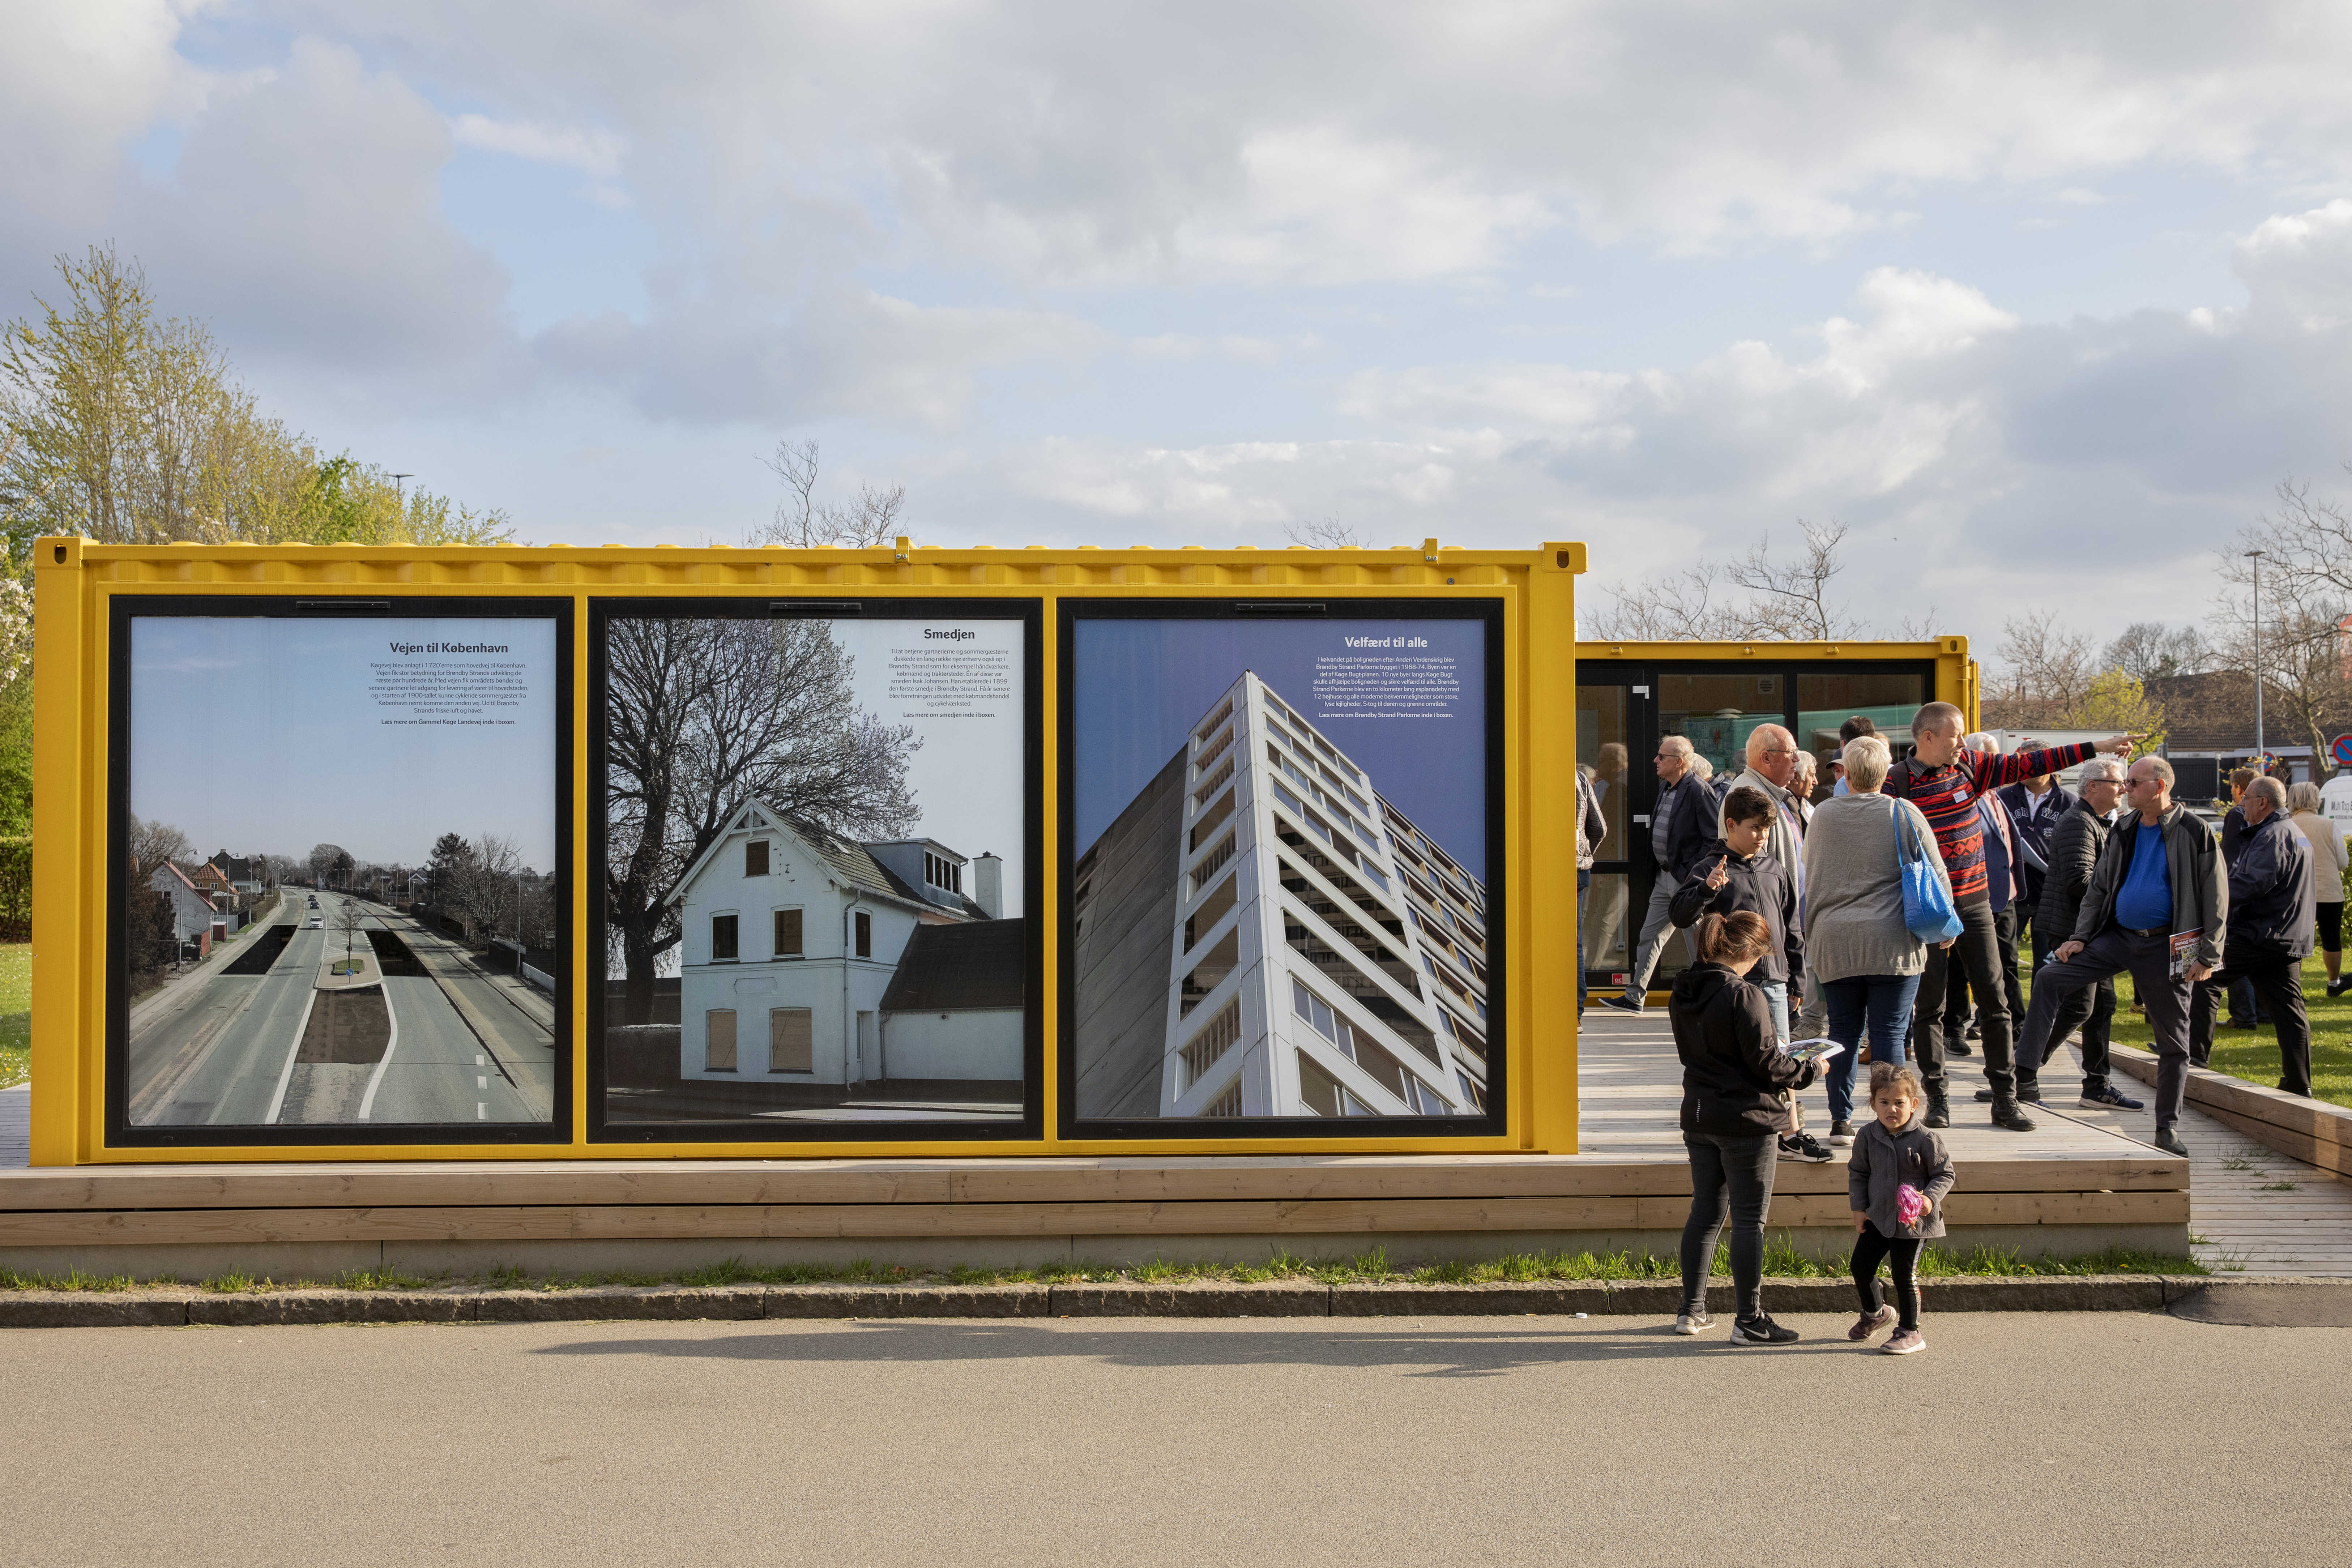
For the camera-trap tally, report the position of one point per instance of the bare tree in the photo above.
(328, 863)
(803, 522)
(350, 920)
(1327, 534)
(2307, 591)
(2043, 670)
(1758, 595)
(2151, 650)
(152, 844)
(703, 715)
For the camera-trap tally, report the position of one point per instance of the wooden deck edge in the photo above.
(2313, 1131)
(155, 1227)
(980, 1181)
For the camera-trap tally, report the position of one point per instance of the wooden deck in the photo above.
(2074, 1187)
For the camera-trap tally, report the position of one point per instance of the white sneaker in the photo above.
(1688, 1323)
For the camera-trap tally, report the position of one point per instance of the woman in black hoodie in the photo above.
(1733, 1075)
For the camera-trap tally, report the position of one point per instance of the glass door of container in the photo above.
(1613, 740)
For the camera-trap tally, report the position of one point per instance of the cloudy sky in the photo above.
(2040, 301)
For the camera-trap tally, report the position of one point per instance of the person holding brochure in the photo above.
(2156, 906)
(1866, 961)
(1735, 1079)
(1738, 872)
(1896, 1182)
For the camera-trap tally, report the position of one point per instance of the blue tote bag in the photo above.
(1926, 902)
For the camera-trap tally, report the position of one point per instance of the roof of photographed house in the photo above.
(961, 968)
(180, 876)
(848, 860)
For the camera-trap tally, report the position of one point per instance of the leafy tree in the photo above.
(328, 863)
(703, 715)
(2116, 702)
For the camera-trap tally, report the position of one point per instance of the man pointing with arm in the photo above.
(1943, 780)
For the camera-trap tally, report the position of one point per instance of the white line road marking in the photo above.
(481, 1081)
(481, 1111)
(286, 1073)
(375, 1079)
(477, 1059)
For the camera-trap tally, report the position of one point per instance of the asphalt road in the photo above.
(241, 1030)
(2041, 1440)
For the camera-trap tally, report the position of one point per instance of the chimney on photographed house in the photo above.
(988, 885)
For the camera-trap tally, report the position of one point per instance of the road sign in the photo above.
(2342, 750)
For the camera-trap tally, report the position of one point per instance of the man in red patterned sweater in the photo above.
(1944, 780)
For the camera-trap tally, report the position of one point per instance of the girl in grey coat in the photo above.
(1893, 1152)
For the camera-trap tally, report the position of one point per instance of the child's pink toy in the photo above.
(1910, 1202)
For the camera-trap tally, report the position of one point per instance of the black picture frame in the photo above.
(1030, 1124)
(1494, 1121)
(313, 605)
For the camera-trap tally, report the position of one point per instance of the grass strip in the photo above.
(1783, 1261)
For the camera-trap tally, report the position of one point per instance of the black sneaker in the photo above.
(1960, 1048)
(1761, 1331)
(1939, 1114)
(1975, 1031)
(2107, 1097)
(2169, 1141)
(1841, 1134)
(2338, 987)
(1623, 1004)
(2029, 1091)
(1800, 1146)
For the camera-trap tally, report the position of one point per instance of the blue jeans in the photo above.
(1884, 1002)
(1584, 887)
(1776, 992)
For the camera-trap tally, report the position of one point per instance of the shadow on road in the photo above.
(1469, 1352)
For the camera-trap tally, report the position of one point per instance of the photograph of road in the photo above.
(399, 971)
(460, 1043)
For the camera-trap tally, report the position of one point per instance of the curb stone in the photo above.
(906, 1302)
(611, 1303)
(1619, 1298)
(1301, 1299)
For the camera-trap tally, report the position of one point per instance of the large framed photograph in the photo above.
(1282, 836)
(339, 911)
(815, 829)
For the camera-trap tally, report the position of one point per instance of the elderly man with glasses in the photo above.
(1944, 780)
(2075, 847)
(2156, 905)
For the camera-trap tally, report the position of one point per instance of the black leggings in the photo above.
(2330, 918)
(1872, 1247)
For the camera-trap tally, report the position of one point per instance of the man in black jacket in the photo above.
(2074, 848)
(2270, 897)
(2036, 807)
(1681, 821)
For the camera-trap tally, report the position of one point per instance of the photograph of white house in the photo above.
(875, 979)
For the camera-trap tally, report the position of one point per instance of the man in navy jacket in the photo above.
(2270, 897)
(2036, 807)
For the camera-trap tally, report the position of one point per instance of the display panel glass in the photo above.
(1283, 825)
(815, 839)
(338, 846)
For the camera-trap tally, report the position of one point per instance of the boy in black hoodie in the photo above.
(1737, 872)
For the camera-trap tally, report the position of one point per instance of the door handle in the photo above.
(1643, 820)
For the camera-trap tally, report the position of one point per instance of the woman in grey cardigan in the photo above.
(1856, 945)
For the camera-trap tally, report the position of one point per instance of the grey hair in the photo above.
(2163, 769)
(2099, 768)
(1701, 769)
(2270, 789)
(1678, 744)
(1866, 762)
(1980, 742)
(2303, 796)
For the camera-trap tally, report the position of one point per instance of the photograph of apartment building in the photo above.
(1261, 933)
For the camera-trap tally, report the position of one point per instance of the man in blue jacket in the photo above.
(2272, 893)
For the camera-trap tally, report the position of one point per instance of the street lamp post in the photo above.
(2260, 749)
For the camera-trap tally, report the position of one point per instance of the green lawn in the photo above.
(16, 1012)
(2254, 1054)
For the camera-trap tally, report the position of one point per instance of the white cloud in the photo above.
(596, 153)
(2300, 265)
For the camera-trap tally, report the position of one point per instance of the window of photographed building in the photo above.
(863, 923)
(791, 1040)
(788, 933)
(718, 1039)
(755, 857)
(722, 939)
